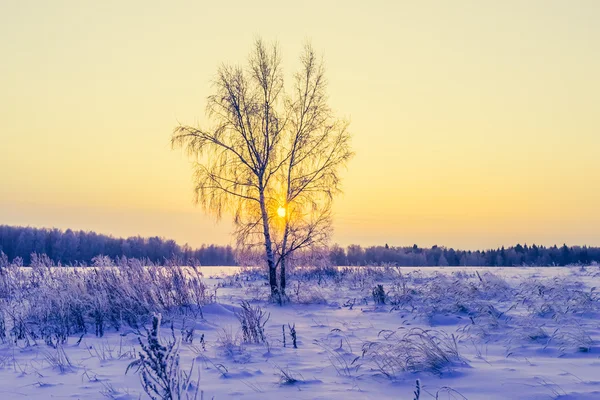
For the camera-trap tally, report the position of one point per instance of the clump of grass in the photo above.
(103, 351)
(232, 346)
(252, 321)
(59, 360)
(308, 293)
(571, 337)
(417, 350)
(228, 341)
(345, 363)
(288, 377)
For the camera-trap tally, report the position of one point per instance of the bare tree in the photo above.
(269, 159)
(317, 146)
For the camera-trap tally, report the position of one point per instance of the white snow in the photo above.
(520, 333)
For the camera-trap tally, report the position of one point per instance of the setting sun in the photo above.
(281, 211)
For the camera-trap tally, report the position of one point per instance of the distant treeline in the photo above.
(442, 256)
(80, 247)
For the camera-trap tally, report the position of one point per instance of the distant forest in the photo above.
(80, 247)
(442, 256)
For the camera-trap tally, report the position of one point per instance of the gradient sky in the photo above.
(476, 123)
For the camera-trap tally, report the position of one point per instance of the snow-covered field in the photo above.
(474, 333)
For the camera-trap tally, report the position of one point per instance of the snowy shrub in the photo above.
(159, 367)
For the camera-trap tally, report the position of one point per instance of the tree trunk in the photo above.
(282, 263)
(282, 277)
(269, 250)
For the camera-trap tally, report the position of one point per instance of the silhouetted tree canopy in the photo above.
(270, 157)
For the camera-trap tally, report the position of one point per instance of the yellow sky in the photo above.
(476, 123)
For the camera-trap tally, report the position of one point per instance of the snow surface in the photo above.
(521, 333)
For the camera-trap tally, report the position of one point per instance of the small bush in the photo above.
(159, 368)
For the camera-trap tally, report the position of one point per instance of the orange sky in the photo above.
(475, 123)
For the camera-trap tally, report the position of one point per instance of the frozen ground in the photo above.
(474, 333)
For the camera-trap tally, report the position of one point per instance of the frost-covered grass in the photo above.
(359, 333)
(50, 304)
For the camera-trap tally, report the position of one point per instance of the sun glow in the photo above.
(281, 211)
